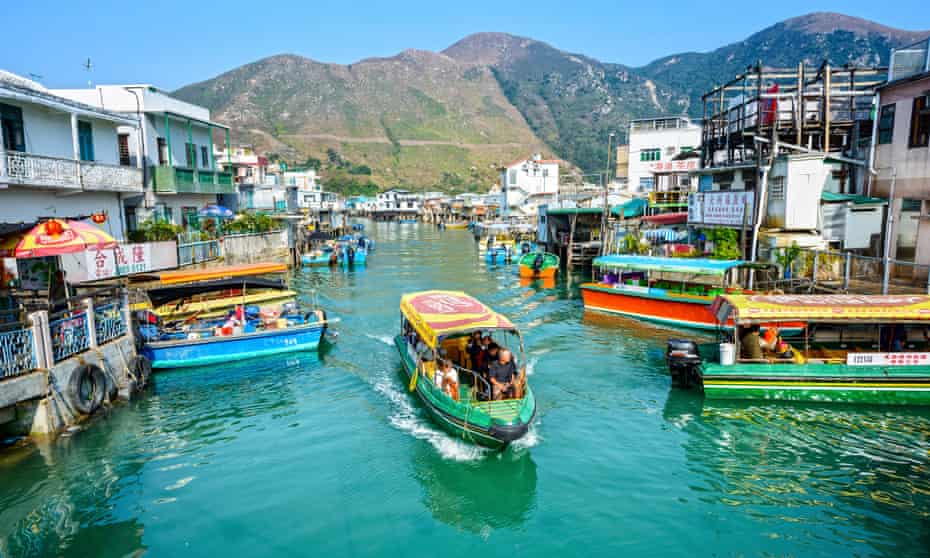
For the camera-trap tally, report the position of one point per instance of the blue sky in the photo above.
(171, 43)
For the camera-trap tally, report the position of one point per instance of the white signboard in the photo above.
(122, 260)
(888, 359)
(721, 208)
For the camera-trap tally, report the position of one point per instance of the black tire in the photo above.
(87, 388)
(141, 368)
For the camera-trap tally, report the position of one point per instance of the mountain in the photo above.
(446, 119)
(409, 118)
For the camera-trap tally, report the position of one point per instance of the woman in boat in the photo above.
(447, 379)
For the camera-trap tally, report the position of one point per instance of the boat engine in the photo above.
(538, 262)
(684, 363)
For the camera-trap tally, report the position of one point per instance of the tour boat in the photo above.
(671, 291)
(853, 349)
(540, 265)
(440, 323)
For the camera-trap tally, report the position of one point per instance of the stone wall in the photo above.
(252, 248)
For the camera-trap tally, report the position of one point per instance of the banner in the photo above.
(721, 208)
(122, 260)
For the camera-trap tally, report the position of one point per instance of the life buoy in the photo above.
(141, 368)
(87, 388)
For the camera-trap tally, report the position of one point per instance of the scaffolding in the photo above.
(828, 109)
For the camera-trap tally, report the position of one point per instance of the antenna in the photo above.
(35, 77)
(88, 67)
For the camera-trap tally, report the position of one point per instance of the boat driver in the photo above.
(503, 374)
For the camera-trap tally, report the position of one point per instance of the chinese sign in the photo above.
(721, 208)
(674, 166)
(122, 260)
(888, 359)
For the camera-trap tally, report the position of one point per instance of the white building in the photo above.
(397, 200)
(61, 158)
(655, 146)
(176, 143)
(303, 189)
(529, 182)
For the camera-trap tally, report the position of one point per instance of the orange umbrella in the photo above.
(55, 237)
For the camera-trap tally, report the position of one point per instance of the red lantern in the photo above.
(99, 218)
(53, 228)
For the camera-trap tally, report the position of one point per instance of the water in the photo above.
(328, 455)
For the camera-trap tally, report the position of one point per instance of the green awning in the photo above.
(856, 199)
(633, 208)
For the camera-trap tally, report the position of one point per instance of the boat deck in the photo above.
(506, 410)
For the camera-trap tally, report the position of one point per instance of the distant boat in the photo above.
(457, 226)
(539, 265)
(326, 256)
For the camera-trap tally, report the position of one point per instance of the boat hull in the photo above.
(690, 311)
(528, 272)
(213, 350)
(834, 383)
(461, 420)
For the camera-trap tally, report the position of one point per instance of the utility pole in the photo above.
(606, 209)
(889, 229)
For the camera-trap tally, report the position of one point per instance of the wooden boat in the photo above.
(538, 265)
(672, 291)
(457, 226)
(254, 332)
(211, 273)
(434, 320)
(209, 299)
(854, 349)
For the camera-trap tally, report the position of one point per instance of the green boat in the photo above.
(538, 265)
(851, 349)
(440, 323)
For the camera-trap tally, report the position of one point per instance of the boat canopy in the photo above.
(163, 295)
(436, 314)
(224, 272)
(695, 266)
(754, 309)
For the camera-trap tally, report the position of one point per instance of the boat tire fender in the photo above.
(86, 389)
(141, 367)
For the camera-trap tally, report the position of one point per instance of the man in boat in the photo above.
(503, 373)
(750, 344)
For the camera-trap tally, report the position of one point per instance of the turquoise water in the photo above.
(328, 455)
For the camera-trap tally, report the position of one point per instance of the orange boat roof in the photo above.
(225, 272)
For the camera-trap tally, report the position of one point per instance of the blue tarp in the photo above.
(633, 208)
(701, 266)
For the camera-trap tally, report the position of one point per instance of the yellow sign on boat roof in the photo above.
(436, 314)
(749, 309)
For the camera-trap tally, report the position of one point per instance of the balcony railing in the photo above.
(181, 180)
(675, 198)
(111, 178)
(29, 169)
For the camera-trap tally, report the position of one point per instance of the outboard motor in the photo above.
(525, 248)
(538, 262)
(351, 254)
(684, 363)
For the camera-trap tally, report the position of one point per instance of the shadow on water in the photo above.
(493, 493)
(861, 469)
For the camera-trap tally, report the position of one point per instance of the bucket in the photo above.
(727, 354)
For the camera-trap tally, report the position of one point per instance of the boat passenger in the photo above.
(474, 350)
(447, 379)
(750, 343)
(503, 373)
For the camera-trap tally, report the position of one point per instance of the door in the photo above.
(124, 158)
(86, 141)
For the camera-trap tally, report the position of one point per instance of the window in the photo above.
(86, 141)
(162, 151)
(920, 122)
(647, 155)
(122, 141)
(545, 173)
(190, 217)
(886, 124)
(204, 156)
(513, 177)
(11, 121)
(190, 152)
(645, 183)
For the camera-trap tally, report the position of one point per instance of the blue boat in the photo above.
(326, 257)
(358, 226)
(407, 221)
(179, 353)
(352, 254)
(500, 254)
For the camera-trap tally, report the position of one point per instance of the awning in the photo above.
(633, 208)
(679, 218)
(856, 199)
(748, 309)
(435, 314)
(697, 266)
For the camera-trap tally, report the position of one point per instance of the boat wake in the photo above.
(530, 440)
(386, 339)
(405, 418)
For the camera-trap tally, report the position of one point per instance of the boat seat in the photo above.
(506, 409)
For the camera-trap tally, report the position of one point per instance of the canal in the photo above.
(328, 455)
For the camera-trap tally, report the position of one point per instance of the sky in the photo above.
(171, 43)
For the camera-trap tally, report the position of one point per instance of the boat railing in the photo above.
(521, 383)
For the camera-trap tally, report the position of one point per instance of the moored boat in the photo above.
(671, 291)
(321, 257)
(540, 265)
(456, 226)
(499, 254)
(440, 323)
(853, 349)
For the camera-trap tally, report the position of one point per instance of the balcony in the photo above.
(675, 198)
(40, 171)
(181, 180)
